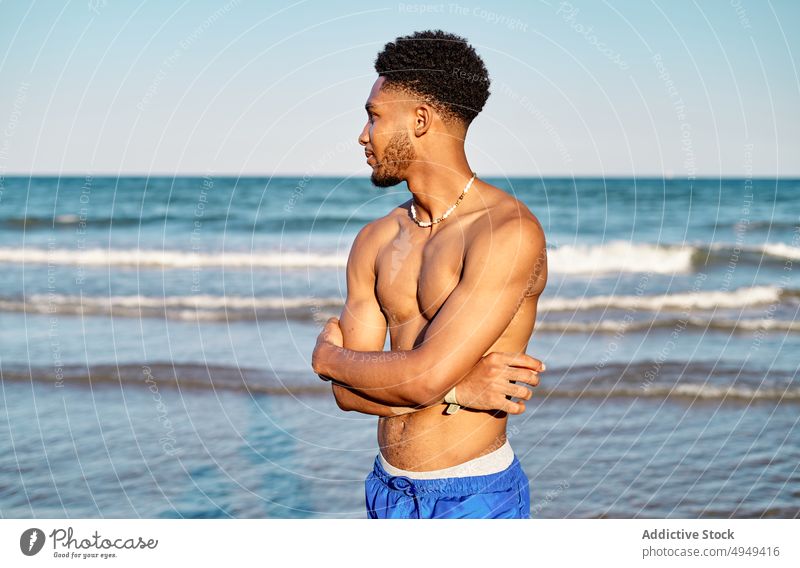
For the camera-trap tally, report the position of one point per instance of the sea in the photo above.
(156, 337)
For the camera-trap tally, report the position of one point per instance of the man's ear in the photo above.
(423, 118)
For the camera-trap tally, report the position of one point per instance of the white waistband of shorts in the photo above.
(493, 462)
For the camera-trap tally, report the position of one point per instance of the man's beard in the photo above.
(397, 156)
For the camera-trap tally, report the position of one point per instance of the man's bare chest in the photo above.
(415, 275)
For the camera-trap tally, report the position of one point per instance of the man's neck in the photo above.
(437, 187)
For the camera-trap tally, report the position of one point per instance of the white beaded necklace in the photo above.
(446, 213)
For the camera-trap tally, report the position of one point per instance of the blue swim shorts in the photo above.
(501, 495)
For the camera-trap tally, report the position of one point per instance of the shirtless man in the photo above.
(451, 289)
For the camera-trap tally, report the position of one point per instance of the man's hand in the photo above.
(488, 384)
(331, 333)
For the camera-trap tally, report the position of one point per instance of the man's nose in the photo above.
(363, 138)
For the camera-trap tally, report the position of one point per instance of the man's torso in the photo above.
(416, 270)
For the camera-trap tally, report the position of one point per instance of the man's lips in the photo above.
(370, 156)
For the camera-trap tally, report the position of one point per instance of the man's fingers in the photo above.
(520, 376)
(513, 407)
(520, 392)
(331, 321)
(526, 361)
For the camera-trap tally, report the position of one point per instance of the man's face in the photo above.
(385, 137)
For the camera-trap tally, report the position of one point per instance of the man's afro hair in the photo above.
(441, 68)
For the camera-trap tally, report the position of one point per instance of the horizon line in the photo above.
(229, 175)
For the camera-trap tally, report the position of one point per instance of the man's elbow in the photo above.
(340, 394)
(343, 405)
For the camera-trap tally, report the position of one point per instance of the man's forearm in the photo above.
(389, 376)
(349, 399)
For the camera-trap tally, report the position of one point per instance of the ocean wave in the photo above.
(265, 221)
(737, 298)
(231, 307)
(780, 250)
(768, 254)
(623, 256)
(70, 220)
(692, 391)
(718, 324)
(198, 307)
(722, 381)
(772, 224)
(619, 256)
(194, 376)
(678, 380)
(171, 258)
(610, 257)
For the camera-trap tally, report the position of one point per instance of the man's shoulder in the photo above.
(372, 236)
(381, 228)
(508, 234)
(508, 217)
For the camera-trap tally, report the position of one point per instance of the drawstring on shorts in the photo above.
(404, 484)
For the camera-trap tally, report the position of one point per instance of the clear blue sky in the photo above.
(677, 88)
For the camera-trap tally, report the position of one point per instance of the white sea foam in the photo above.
(221, 308)
(695, 391)
(568, 259)
(620, 256)
(741, 297)
(781, 250)
(609, 257)
(40, 302)
(720, 392)
(615, 325)
(171, 258)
